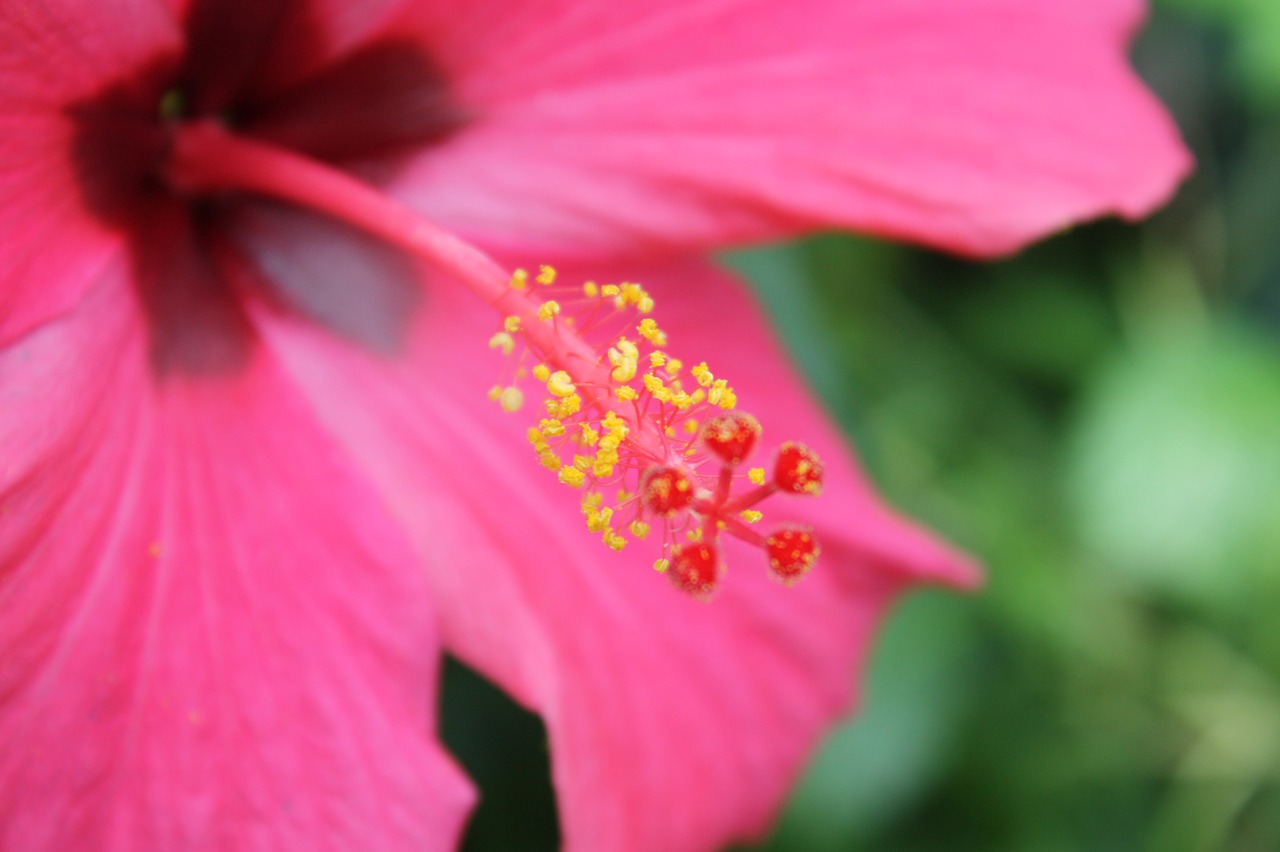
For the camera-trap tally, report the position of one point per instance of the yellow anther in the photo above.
(674, 365)
(569, 406)
(542, 372)
(626, 393)
(502, 341)
(548, 309)
(645, 305)
(703, 375)
(598, 521)
(549, 460)
(695, 535)
(495, 392)
(551, 427)
(681, 400)
(752, 516)
(589, 436)
(591, 289)
(610, 290)
(625, 358)
(657, 359)
(546, 275)
(535, 435)
(722, 395)
(583, 462)
(756, 475)
(602, 469)
(698, 396)
(652, 383)
(649, 331)
(615, 541)
(691, 426)
(661, 565)
(616, 425)
(572, 477)
(591, 501)
(559, 384)
(639, 529)
(511, 325)
(511, 400)
(519, 279)
(623, 496)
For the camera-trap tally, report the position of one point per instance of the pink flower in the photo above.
(249, 482)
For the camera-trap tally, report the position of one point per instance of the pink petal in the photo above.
(674, 724)
(212, 638)
(605, 126)
(54, 247)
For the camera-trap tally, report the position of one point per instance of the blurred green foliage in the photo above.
(1099, 420)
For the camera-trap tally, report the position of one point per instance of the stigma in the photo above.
(656, 448)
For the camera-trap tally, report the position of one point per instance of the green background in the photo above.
(1098, 419)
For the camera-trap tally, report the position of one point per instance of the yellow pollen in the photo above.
(627, 393)
(519, 279)
(546, 275)
(703, 375)
(572, 477)
(661, 565)
(657, 359)
(535, 435)
(610, 290)
(598, 521)
(542, 372)
(649, 331)
(690, 426)
(559, 384)
(549, 460)
(551, 427)
(495, 392)
(591, 289)
(502, 341)
(569, 406)
(674, 365)
(615, 541)
(752, 516)
(511, 400)
(639, 529)
(511, 325)
(589, 436)
(625, 358)
(548, 309)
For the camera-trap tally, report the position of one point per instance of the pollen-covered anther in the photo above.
(666, 491)
(625, 358)
(504, 341)
(511, 399)
(696, 568)
(798, 470)
(793, 551)
(560, 384)
(731, 437)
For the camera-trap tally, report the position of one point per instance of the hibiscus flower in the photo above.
(250, 484)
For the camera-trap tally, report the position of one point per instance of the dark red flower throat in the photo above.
(263, 70)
